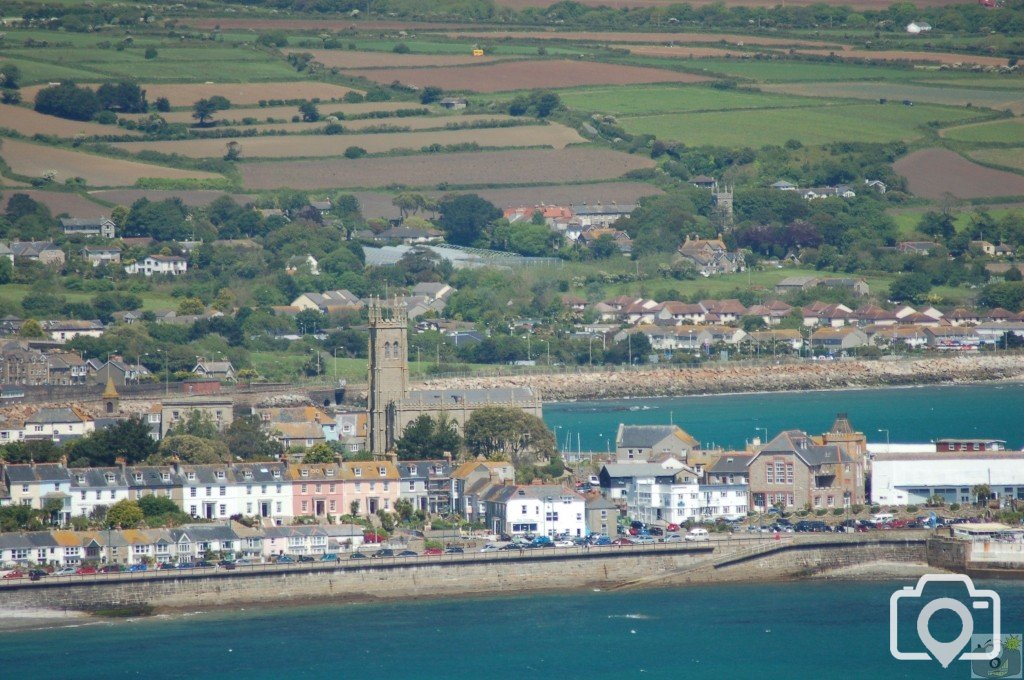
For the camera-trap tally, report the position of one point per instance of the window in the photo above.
(305, 472)
(223, 509)
(223, 491)
(382, 471)
(279, 488)
(319, 487)
(386, 485)
(358, 472)
(248, 490)
(359, 486)
(334, 505)
(279, 506)
(209, 491)
(19, 554)
(305, 506)
(139, 549)
(220, 474)
(332, 487)
(263, 489)
(789, 473)
(191, 476)
(192, 491)
(113, 494)
(192, 510)
(83, 494)
(24, 488)
(248, 508)
(302, 488)
(373, 486)
(524, 509)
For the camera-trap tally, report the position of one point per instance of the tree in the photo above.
(203, 110)
(430, 94)
(150, 53)
(196, 424)
(404, 509)
(191, 306)
(464, 218)
(506, 433)
(67, 100)
(426, 438)
(10, 77)
(128, 439)
(194, 450)
(162, 104)
(155, 506)
(911, 288)
(31, 329)
(247, 439)
(355, 152)
(124, 514)
(353, 508)
(319, 453)
(310, 113)
(124, 96)
(981, 492)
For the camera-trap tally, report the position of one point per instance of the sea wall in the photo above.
(756, 377)
(473, 574)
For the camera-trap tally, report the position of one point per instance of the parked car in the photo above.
(36, 574)
(565, 543)
(111, 569)
(384, 552)
(65, 571)
(329, 557)
(433, 551)
(644, 539)
(453, 550)
(601, 540)
(490, 547)
(137, 567)
(307, 558)
(542, 542)
(85, 571)
(284, 559)
(164, 566)
(656, 531)
(244, 562)
(357, 556)
(673, 538)
(672, 527)
(622, 541)
(697, 534)
(186, 565)
(13, 573)
(408, 553)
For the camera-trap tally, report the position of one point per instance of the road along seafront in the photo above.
(725, 559)
(573, 383)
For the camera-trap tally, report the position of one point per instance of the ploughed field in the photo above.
(36, 160)
(531, 166)
(897, 92)
(349, 59)
(28, 122)
(618, 4)
(302, 146)
(931, 173)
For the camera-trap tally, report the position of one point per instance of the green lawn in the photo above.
(1008, 158)
(644, 99)
(151, 300)
(811, 125)
(1000, 131)
(907, 220)
(36, 72)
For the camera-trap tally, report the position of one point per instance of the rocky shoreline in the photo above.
(731, 378)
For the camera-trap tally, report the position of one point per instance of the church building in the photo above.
(392, 405)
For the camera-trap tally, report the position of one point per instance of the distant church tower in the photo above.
(389, 371)
(111, 399)
(723, 200)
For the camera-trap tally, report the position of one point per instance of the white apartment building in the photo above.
(538, 509)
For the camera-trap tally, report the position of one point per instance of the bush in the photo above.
(838, 512)
(912, 508)
(150, 53)
(401, 48)
(67, 100)
(801, 513)
(355, 152)
(954, 507)
(821, 512)
(875, 509)
(162, 104)
(857, 508)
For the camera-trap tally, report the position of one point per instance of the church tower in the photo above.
(723, 201)
(389, 371)
(111, 399)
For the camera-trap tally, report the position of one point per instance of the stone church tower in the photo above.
(723, 201)
(389, 371)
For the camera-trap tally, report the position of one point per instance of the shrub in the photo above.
(150, 53)
(838, 512)
(801, 513)
(821, 512)
(355, 152)
(912, 508)
(954, 507)
(875, 509)
(857, 509)
(401, 48)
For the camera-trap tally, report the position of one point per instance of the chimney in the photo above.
(121, 462)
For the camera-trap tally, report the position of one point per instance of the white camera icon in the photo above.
(946, 652)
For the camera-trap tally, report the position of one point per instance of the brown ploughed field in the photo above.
(528, 166)
(354, 59)
(931, 173)
(28, 122)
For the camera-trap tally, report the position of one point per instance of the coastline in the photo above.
(43, 619)
(723, 379)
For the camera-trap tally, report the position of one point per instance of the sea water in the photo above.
(812, 629)
(911, 415)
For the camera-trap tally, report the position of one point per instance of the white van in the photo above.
(697, 535)
(882, 518)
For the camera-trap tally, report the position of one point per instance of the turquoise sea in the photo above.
(914, 414)
(791, 631)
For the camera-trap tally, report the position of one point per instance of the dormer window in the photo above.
(248, 474)
(358, 472)
(137, 476)
(191, 476)
(109, 477)
(220, 474)
(277, 474)
(329, 472)
(305, 472)
(81, 479)
(382, 471)
(165, 476)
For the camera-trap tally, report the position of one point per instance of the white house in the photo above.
(541, 509)
(249, 489)
(725, 501)
(57, 424)
(916, 27)
(674, 497)
(94, 487)
(912, 478)
(172, 265)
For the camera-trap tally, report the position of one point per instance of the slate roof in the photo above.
(731, 464)
(638, 470)
(496, 395)
(43, 472)
(97, 477)
(646, 436)
(799, 444)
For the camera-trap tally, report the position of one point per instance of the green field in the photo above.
(950, 93)
(642, 99)
(1000, 131)
(37, 72)
(185, 64)
(784, 71)
(811, 125)
(1008, 158)
(461, 47)
(151, 300)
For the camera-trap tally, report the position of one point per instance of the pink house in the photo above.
(317, 490)
(375, 484)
